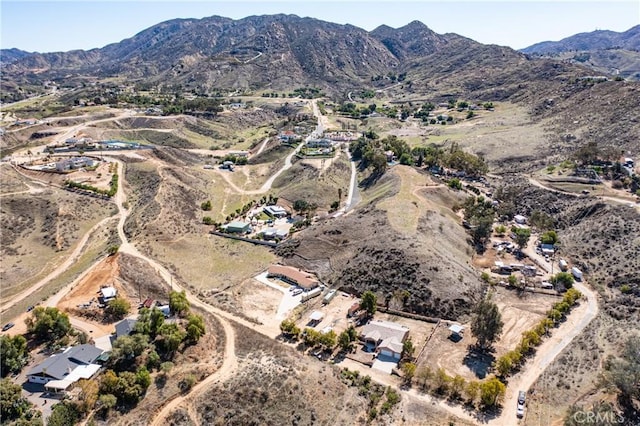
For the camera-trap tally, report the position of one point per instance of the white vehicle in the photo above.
(546, 285)
(521, 401)
(563, 265)
(577, 273)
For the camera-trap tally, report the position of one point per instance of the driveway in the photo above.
(385, 363)
(288, 301)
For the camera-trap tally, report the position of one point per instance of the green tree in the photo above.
(458, 385)
(522, 236)
(406, 159)
(64, 414)
(328, 339)
(441, 381)
(492, 392)
(289, 328)
(195, 328)
(206, 206)
(178, 302)
(48, 324)
(472, 390)
(369, 302)
(88, 395)
(408, 349)
(549, 237)
(500, 230)
(454, 183)
(127, 348)
(504, 365)
(563, 278)
(311, 337)
(170, 337)
(344, 341)
(207, 220)
(487, 323)
(408, 371)
(149, 322)
(106, 402)
(13, 354)
(13, 405)
(117, 308)
(143, 378)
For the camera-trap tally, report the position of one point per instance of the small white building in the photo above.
(519, 219)
(108, 293)
(275, 211)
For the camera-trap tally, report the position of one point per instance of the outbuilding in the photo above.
(238, 227)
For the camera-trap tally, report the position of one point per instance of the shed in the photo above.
(316, 316)
(520, 219)
(239, 227)
(108, 293)
(456, 329)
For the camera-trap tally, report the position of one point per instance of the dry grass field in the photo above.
(39, 230)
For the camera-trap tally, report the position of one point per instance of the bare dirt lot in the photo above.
(82, 301)
(519, 314)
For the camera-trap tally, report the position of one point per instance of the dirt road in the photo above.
(77, 252)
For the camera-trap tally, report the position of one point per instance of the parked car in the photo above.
(7, 326)
(297, 291)
(522, 396)
(30, 308)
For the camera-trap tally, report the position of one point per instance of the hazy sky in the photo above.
(56, 25)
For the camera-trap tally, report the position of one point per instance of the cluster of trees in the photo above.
(479, 215)
(16, 408)
(351, 109)
(13, 354)
(49, 324)
(489, 392)
(236, 159)
(313, 338)
(173, 103)
(370, 150)
(512, 360)
(153, 343)
(113, 186)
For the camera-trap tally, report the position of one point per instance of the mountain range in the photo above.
(607, 52)
(285, 52)
(258, 52)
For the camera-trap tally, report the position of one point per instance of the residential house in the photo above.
(275, 211)
(293, 276)
(385, 337)
(60, 371)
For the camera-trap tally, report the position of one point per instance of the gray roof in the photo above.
(59, 365)
(382, 330)
(125, 327)
(84, 354)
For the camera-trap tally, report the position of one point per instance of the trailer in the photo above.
(310, 294)
(329, 297)
(577, 273)
(563, 265)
